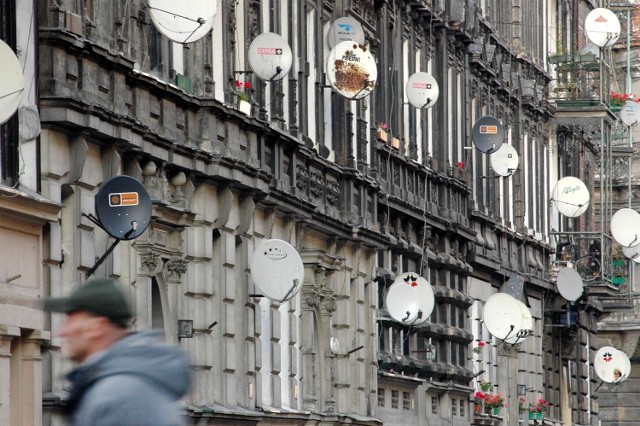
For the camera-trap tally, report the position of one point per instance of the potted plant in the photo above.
(477, 349)
(494, 402)
(243, 97)
(478, 402)
(537, 409)
(618, 263)
(486, 386)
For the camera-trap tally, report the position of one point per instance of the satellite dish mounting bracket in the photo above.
(134, 226)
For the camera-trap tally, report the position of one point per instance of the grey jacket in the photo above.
(137, 382)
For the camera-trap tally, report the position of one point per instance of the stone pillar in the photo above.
(7, 334)
(32, 379)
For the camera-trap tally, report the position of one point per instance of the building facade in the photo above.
(364, 190)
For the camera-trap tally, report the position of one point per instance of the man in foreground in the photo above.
(123, 378)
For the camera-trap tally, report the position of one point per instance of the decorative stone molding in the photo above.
(149, 264)
(174, 269)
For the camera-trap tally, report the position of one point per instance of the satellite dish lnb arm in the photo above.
(134, 226)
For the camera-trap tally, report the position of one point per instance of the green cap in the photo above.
(100, 297)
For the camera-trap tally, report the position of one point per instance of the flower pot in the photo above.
(539, 416)
(532, 415)
(477, 408)
(617, 280)
(244, 107)
(496, 411)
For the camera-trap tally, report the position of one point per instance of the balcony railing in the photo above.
(580, 80)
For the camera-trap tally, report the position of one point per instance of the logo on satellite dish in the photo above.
(607, 357)
(488, 130)
(411, 280)
(570, 189)
(123, 199)
(269, 51)
(275, 254)
(349, 56)
(417, 85)
(601, 19)
(346, 27)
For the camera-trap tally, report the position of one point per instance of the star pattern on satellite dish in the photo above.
(411, 280)
(275, 254)
(606, 357)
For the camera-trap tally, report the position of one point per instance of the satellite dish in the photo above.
(502, 315)
(277, 269)
(571, 196)
(569, 284)
(402, 302)
(426, 299)
(123, 207)
(345, 29)
(334, 345)
(630, 113)
(11, 83)
(625, 227)
(422, 90)
(525, 327)
(504, 161)
(351, 70)
(626, 366)
(602, 27)
(610, 364)
(270, 56)
(632, 253)
(183, 21)
(29, 118)
(487, 134)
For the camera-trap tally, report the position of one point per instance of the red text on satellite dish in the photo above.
(121, 199)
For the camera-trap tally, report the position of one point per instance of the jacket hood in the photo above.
(145, 354)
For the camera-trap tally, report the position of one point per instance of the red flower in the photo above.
(247, 85)
(481, 343)
(238, 83)
(460, 165)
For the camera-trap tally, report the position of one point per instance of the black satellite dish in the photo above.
(487, 134)
(123, 207)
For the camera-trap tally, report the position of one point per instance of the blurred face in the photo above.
(79, 332)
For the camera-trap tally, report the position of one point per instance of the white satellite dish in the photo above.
(602, 27)
(183, 21)
(345, 29)
(610, 364)
(502, 315)
(632, 253)
(29, 118)
(625, 227)
(626, 366)
(11, 83)
(630, 113)
(571, 196)
(351, 70)
(569, 283)
(277, 269)
(403, 302)
(270, 56)
(422, 90)
(504, 161)
(426, 299)
(526, 327)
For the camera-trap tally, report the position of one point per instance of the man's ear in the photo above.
(97, 327)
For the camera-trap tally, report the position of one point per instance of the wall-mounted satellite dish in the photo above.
(487, 134)
(270, 56)
(277, 269)
(505, 160)
(625, 227)
(569, 284)
(426, 299)
(611, 365)
(403, 302)
(183, 21)
(422, 90)
(11, 83)
(29, 119)
(123, 207)
(526, 326)
(571, 196)
(345, 29)
(630, 113)
(602, 27)
(351, 70)
(632, 253)
(502, 315)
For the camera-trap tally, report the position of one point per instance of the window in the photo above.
(462, 410)
(381, 400)
(454, 407)
(434, 404)
(394, 398)
(9, 130)
(406, 401)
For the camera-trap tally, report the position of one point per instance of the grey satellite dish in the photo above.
(29, 118)
(569, 284)
(123, 207)
(502, 316)
(571, 196)
(183, 21)
(403, 302)
(630, 113)
(270, 56)
(625, 227)
(11, 83)
(487, 134)
(277, 269)
(345, 29)
(504, 161)
(602, 27)
(422, 90)
(426, 298)
(351, 70)
(514, 286)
